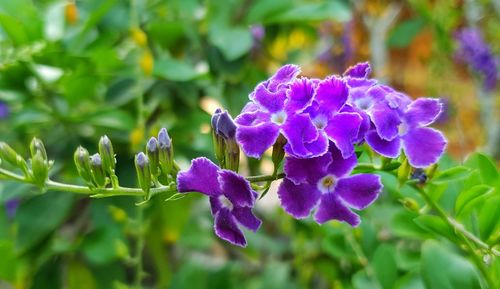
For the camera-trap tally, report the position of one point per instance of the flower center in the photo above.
(403, 128)
(278, 117)
(320, 121)
(326, 184)
(225, 202)
(364, 103)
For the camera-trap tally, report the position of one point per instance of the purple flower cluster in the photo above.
(474, 51)
(322, 120)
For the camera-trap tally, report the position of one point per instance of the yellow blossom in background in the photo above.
(147, 62)
(71, 12)
(140, 38)
(136, 138)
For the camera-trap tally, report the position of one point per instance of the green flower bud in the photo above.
(278, 151)
(107, 155)
(40, 169)
(8, 154)
(152, 151)
(36, 145)
(82, 163)
(143, 172)
(404, 171)
(431, 171)
(98, 175)
(217, 138)
(232, 155)
(410, 204)
(166, 151)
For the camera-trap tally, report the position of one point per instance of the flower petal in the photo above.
(200, 177)
(359, 191)
(318, 146)
(339, 166)
(298, 129)
(359, 70)
(227, 229)
(271, 101)
(246, 217)
(282, 76)
(308, 170)
(423, 146)
(332, 94)
(300, 94)
(423, 112)
(298, 200)
(255, 140)
(331, 207)
(342, 129)
(387, 148)
(386, 121)
(236, 188)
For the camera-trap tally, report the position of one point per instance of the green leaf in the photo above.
(443, 269)
(264, 9)
(404, 33)
(468, 199)
(331, 10)
(435, 225)
(487, 169)
(175, 70)
(488, 218)
(79, 277)
(14, 29)
(452, 174)
(8, 261)
(384, 265)
(40, 216)
(233, 42)
(115, 119)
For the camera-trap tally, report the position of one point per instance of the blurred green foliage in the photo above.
(70, 74)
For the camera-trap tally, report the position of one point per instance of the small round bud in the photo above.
(98, 175)
(140, 38)
(82, 163)
(40, 169)
(107, 155)
(143, 172)
(36, 145)
(411, 204)
(153, 153)
(166, 151)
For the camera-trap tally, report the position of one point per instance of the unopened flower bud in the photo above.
(153, 153)
(166, 152)
(8, 154)
(419, 175)
(143, 172)
(278, 151)
(40, 169)
(411, 204)
(404, 172)
(218, 141)
(98, 175)
(227, 150)
(36, 145)
(82, 163)
(107, 155)
(431, 171)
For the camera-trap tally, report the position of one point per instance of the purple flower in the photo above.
(423, 145)
(231, 198)
(11, 206)
(274, 104)
(474, 51)
(323, 184)
(4, 110)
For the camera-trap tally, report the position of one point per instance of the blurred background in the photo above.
(71, 71)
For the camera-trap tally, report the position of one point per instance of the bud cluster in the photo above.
(227, 150)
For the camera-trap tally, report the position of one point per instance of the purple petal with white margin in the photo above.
(227, 229)
(271, 101)
(246, 217)
(423, 146)
(332, 94)
(236, 188)
(339, 166)
(331, 207)
(359, 191)
(365, 122)
(342, 129)
(423, 112)
(318, 146)
(299, 94)
(255, 140)
(386, 121)
(215, 205)
(298, 129)
(359, 70)
(387, 148)
(306, 170)
(200, 177)
(282, 76)
(252, 118)
(298, 200)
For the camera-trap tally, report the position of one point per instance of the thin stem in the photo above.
(139, 247)
(264, 178)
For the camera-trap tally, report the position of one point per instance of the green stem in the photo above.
(139, 247)
(263, 178)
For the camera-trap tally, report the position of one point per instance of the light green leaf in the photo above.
(452, 174)
(330, 10)
(115, 119)
(403, 34)
(384, 265)
(175, 70)
(233, 42)
(488, 218)
(468, 199)
(443, 269)
(435, 225)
